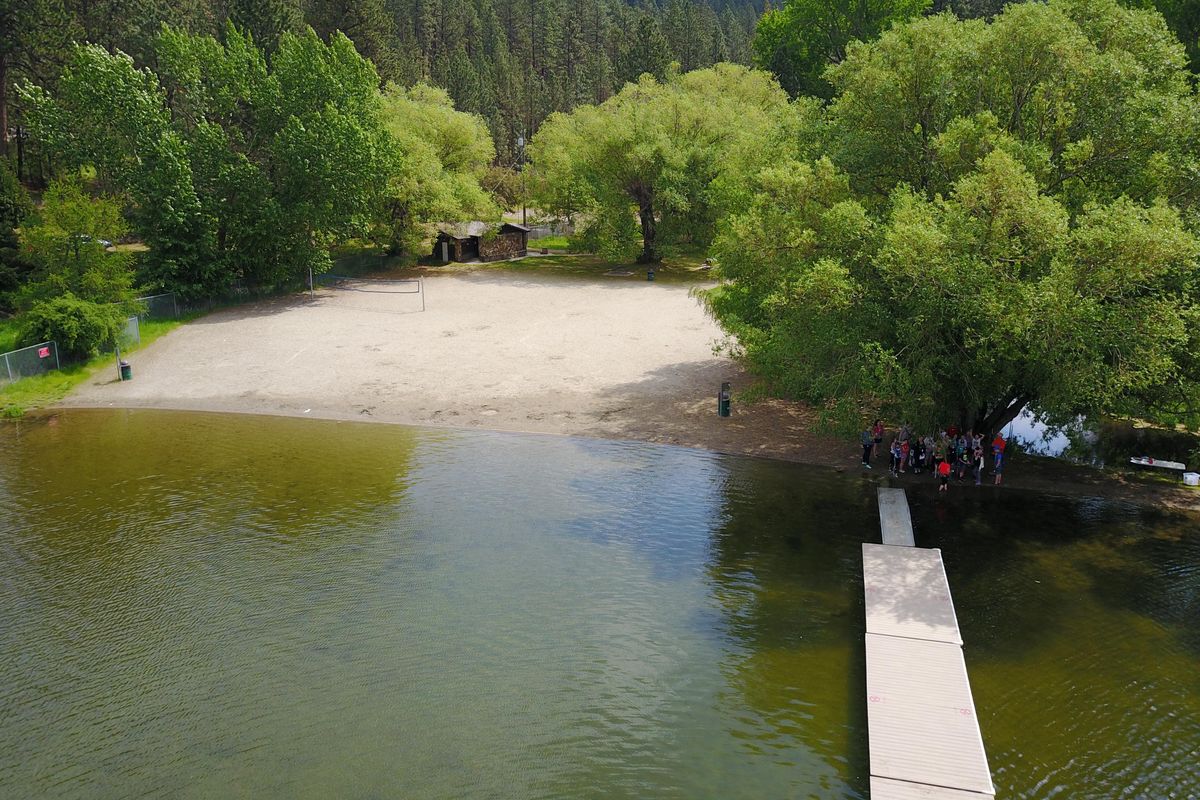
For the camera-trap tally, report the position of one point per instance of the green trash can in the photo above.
(723, 400)
(126, 371)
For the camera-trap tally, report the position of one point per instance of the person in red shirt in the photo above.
(998, 445)
(944, 475)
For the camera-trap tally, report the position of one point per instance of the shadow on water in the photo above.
(985, 539)
(785, 569)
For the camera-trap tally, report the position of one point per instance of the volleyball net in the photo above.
(370, 286)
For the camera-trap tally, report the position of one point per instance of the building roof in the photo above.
(470, 230)
(463, 230)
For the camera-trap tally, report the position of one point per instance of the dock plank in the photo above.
(921, 718)
(894, 519)
(907, 594)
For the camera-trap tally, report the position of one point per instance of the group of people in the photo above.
(949, 453)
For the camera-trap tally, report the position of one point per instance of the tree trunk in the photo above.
(3, 104)
(1003, 413)
(649, 231)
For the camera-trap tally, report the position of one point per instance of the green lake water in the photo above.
(222, 606)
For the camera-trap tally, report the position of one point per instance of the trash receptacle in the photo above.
(723, 400)
(649, 274)
(126, 371)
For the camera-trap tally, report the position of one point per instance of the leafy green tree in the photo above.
(441, 156)
(1004, 220)
(513, 62)
(67, 244)
(661, 154)
(799, 40)
(237, 171)
(1183, 17)
(35, 36)
(15, 204)
(80, 292)
(1089, 96)
(365, 22)
(134, 151)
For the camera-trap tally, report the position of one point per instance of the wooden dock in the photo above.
(924, 736)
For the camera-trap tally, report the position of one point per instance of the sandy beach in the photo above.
(607, 357)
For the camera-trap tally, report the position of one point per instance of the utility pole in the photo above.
(524, 196)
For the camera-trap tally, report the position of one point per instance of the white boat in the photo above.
(1146, 461)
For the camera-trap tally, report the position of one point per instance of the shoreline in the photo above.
(1099, 482)
(523, 352)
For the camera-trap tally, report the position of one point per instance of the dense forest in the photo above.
(513, 62)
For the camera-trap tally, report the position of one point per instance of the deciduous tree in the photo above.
(441, 156)
(80, 292)
(660, 156)
(1005, 218)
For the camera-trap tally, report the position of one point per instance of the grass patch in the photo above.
(40, 391)
(550, 243)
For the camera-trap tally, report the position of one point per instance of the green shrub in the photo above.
(79, 327)
(14, 200)
(15, 271)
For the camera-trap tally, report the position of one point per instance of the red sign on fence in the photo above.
(43, 352)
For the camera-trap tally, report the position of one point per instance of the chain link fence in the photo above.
(28, 361)
(131, 336)
(554, 228)
(159, 306)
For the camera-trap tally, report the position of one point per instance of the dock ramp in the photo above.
(894, 519)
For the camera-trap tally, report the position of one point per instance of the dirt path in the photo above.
(616, 358)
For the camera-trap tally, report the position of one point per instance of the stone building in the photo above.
(475, 241)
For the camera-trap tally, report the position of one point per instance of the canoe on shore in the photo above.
(1146, 461)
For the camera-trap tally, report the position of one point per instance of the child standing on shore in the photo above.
(943, 473)
(998, 445)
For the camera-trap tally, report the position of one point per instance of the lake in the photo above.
(222, 606)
